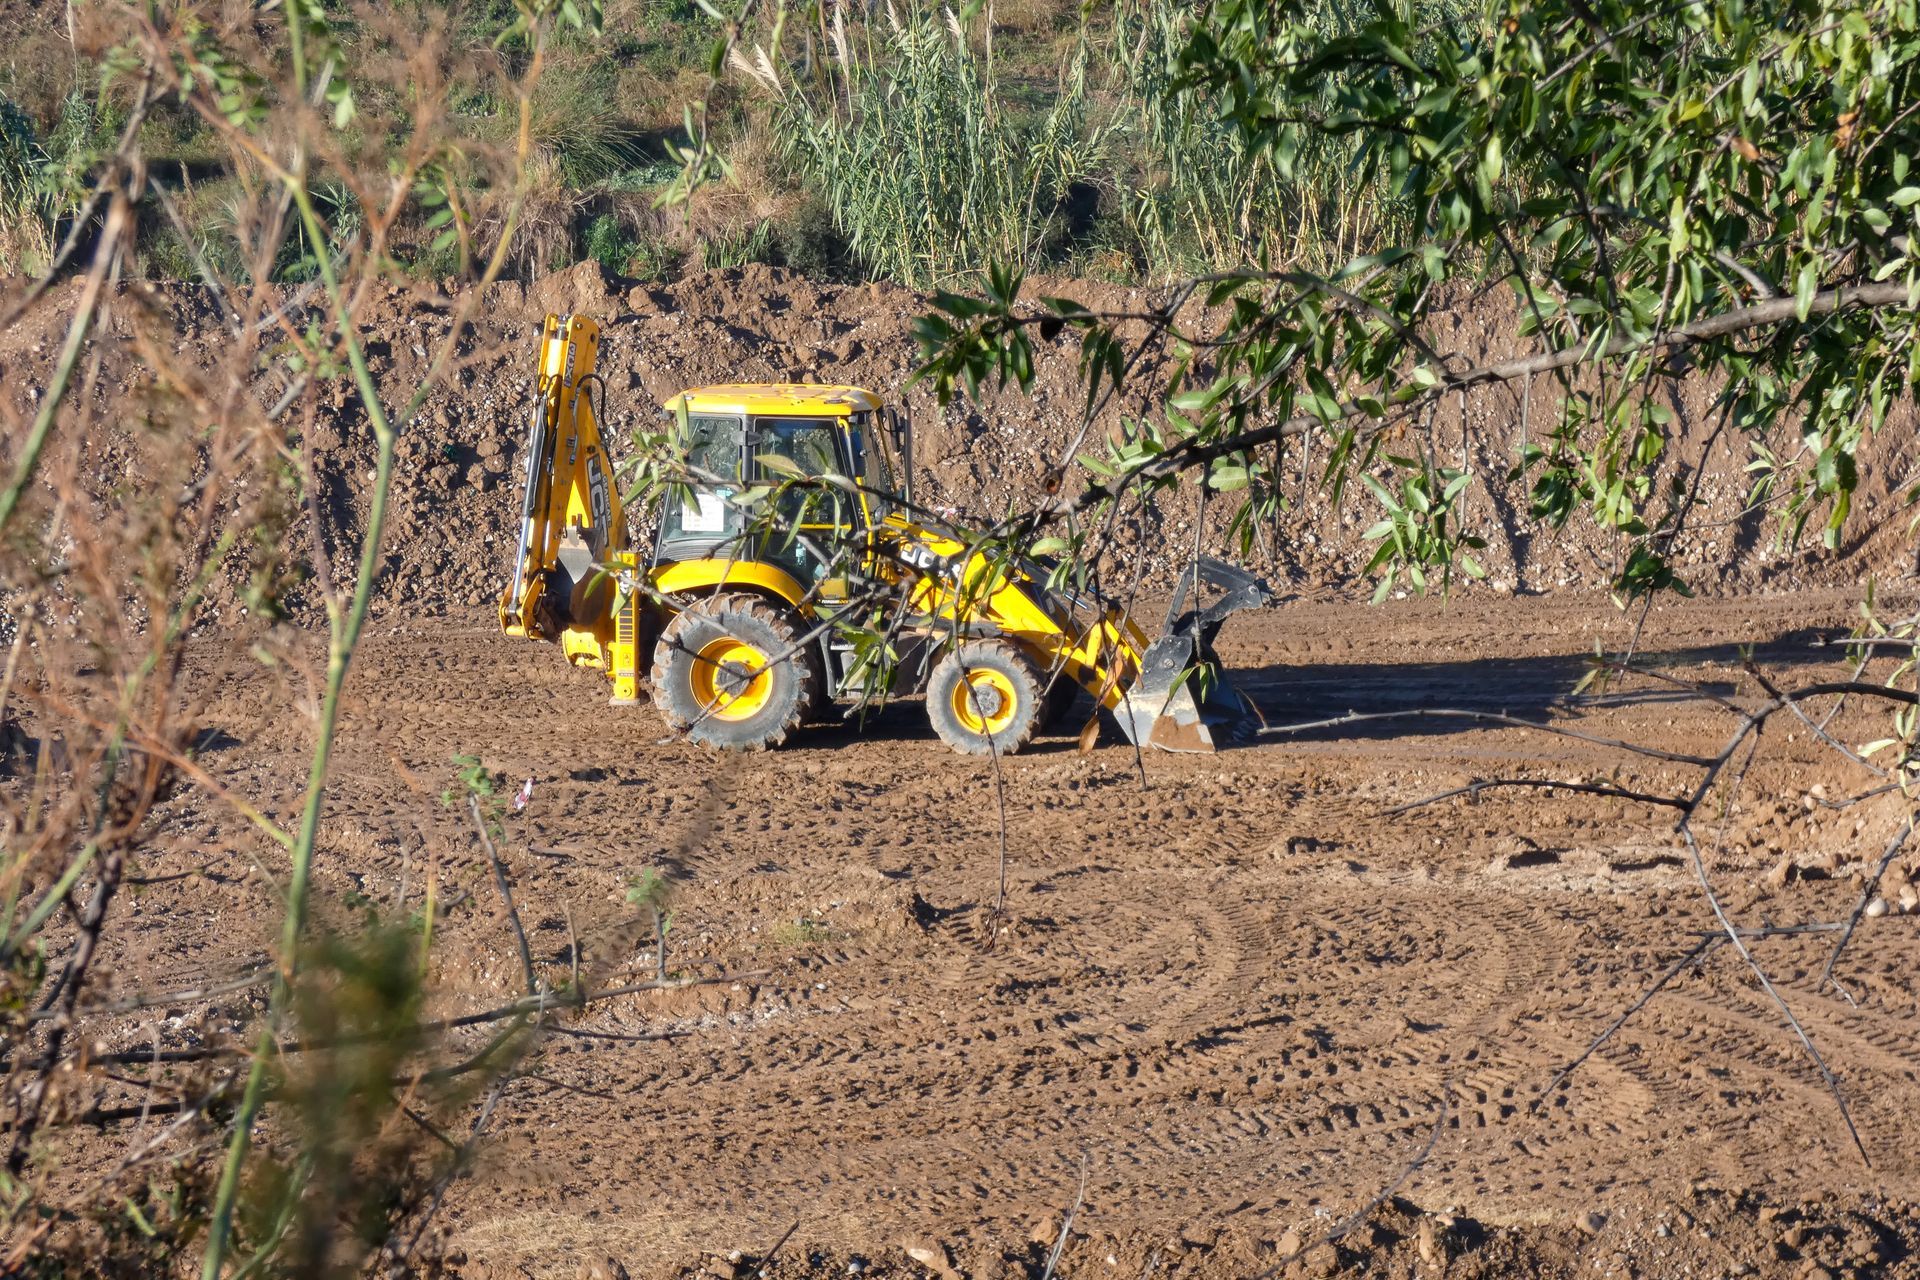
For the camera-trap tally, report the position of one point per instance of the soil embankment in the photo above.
(454, 508)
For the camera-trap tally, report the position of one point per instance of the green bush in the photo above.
(1199, 197)
(656, 259)
(24, 230)
(610, 244)
(739, 247)
(577, 120)
(807, 240)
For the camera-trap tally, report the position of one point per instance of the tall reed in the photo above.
(927, 168)
(1198, 198)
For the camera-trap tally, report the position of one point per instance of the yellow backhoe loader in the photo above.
(786, 518)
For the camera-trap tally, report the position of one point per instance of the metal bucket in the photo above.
(1181, 700)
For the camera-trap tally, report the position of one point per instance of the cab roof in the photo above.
(798, 399)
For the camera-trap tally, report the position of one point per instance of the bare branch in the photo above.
(1761, 315)
(506, 892)
(1867, 893)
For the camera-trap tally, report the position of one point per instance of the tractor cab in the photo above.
(741, 435)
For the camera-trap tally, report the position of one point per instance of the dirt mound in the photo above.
(454, 500)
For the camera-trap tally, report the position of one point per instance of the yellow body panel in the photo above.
(969, 587)
(704, 577)
(776, 399)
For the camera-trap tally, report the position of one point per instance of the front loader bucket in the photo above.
(1181, 700)
(1179, 704)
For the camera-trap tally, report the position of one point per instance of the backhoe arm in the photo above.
(570, 518)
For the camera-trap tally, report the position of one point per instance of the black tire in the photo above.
(1058, 701)
(703, 672)
(1004, 679)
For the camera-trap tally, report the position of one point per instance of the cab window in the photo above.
(870, 465)
(703, 511)
(811, 518)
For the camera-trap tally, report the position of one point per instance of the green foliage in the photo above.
(44, 182)
(25, 230)
(610, 244)
(648, 889)
(750, 244)
(472, 778)
(907, 138)
(299, 257)
(1206, 196)
(1420, 527)
(613, 244)
(338, 1193)
(21, 156)
(655, 258)
(83, 135)
(807, 240)
(652, 890)
(800, 933)
(1727, 179)
(579, 122)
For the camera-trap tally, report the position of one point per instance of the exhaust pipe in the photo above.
(1181, 700)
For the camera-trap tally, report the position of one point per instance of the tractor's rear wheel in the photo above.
(728, 673)
(985, 697)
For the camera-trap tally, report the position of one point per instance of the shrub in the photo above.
(1200, 197)
(25, 236)
(609, 244)
(807, 240)
(738, 247)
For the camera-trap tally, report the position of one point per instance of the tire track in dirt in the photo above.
(1241, 985)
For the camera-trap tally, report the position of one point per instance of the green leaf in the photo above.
(780, 464)
(1804, 289)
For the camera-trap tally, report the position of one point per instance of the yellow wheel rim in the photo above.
(984, 701)
(731, 680)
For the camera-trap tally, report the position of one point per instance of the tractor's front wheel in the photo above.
(729, 672)
(985, 697)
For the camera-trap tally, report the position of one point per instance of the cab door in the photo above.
(814, 524)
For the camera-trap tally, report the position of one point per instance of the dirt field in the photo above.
(1242, 992)
(1245, 998)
